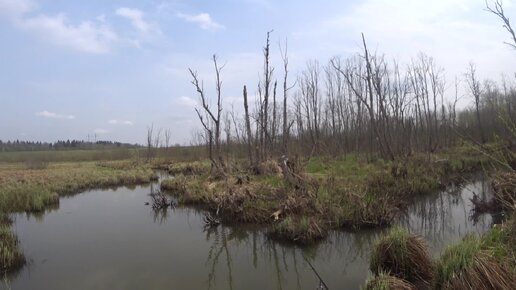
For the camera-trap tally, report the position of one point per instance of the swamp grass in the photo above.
(384, 281)
(11, 257)
(470, 264)
(404, 256)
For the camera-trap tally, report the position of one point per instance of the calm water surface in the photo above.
(108, 239)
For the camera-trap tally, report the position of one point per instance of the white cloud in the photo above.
(51, 115)
(186, 101)
(93, 37)
(120, 122)
(136, 18)
(202, 19)
(15, 8)
(100, 131)
(86, 36)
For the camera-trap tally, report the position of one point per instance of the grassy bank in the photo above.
(23, 189)
(401, 261)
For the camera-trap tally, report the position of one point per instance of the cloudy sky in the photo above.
(70, 69)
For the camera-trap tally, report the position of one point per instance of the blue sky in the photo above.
(70, 69)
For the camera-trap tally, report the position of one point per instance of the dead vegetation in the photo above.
(159, 200)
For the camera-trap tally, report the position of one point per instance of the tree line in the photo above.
(364, 103)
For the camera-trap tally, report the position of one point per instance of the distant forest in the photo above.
(17, 145)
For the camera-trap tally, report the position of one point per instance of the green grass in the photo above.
(472, 264)
(500, 241)
(456, 258)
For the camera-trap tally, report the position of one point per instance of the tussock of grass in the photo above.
(466, 265)
(11, 258)
(384, 281)
(404, 256)
(300, 230)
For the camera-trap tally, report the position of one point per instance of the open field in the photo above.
(79, 155)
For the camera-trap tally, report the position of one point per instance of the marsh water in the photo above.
(109, 239)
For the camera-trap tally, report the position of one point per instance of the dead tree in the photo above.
(286, 126)
(210, 119)
(500, 13)
(150, 142)
(248, 129)
(476, 91)
(265, 138)
(168, 135)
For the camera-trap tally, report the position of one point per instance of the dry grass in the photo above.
(404, 256)
(190, 168)
(387, 282)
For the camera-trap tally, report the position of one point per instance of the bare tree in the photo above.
(248, 129)
(210, 119)
(500, 13)
(168, 135)
(476, 91)
(150, 142)
(286, 88)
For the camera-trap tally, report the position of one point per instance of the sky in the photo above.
(79, 69)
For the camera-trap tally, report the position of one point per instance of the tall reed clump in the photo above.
(466, 265)
(404, 256)
(385, 281)
(11, 257)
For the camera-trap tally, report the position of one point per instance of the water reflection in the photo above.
(445, 217)
(111, 240)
